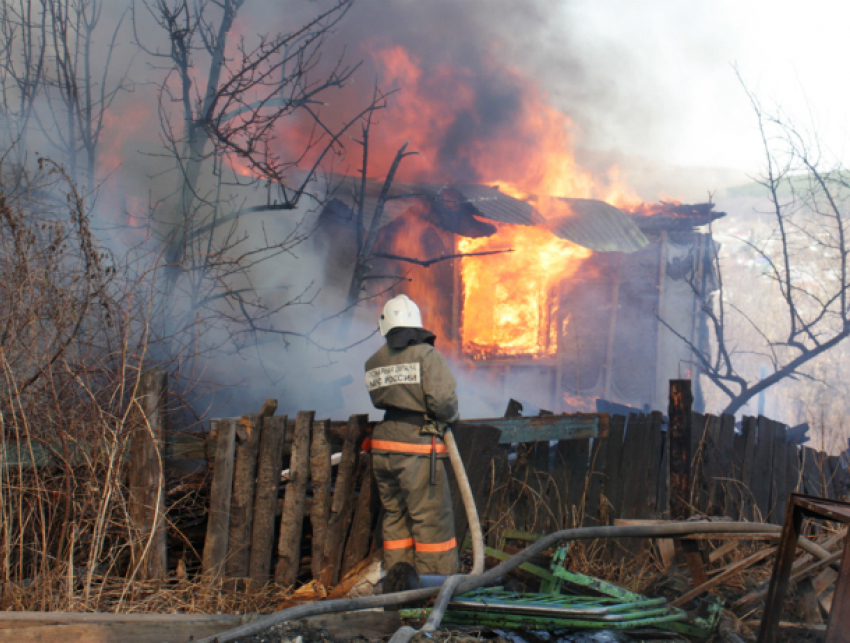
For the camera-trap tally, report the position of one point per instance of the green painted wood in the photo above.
(549, 427)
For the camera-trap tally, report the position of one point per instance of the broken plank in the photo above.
(726, 573)
(365, 512)
(721, 551)
(292, 518)
(146, 479)
(242, 499)
(265, 498)
(341, 506)
(215, 543)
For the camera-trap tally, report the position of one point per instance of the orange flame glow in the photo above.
(510, 301)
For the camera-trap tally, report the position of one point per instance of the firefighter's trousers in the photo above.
(418, 522)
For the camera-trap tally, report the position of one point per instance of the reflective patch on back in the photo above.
(390, 375)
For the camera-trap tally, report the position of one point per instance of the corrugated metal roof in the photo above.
(599, 226)
(589, 223)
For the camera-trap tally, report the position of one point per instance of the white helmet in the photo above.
(399, 312)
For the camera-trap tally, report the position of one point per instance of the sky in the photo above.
(678, 99)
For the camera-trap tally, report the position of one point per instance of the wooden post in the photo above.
(320, 478)
(342, 506)
(679, 434)
(215, 543)
(146, 480)
(292, 519)
(242, 501)
(265, 498)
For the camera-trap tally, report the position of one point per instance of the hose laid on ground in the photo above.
(669, 530)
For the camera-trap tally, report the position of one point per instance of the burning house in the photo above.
(557, 302)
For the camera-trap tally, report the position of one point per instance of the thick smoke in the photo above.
(478, 61)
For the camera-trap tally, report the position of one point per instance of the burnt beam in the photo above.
(679, 435)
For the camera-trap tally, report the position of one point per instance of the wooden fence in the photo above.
(327, 520)
(322, 519)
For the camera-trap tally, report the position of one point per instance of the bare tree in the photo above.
(51, 49)
(227, 138)
(23, 31)
(804, 261)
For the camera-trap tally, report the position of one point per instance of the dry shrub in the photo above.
(73, 341)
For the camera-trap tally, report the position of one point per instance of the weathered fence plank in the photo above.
(292, 519)
(215, 544)
(320, 481)
(794, 478)
(146, 480)
(242, 497)
(365, 514)
(633, 482)
(596, 477)
(265, 498)
(835, 469)
(569, 476)
(811, 474)
(761, 474)
(699, 489)
(749, 428)
(613, 488)
(341, 507)
(679, 435)
(648, 502)
(778, 474)
(478, 446)
(726, 490)
(714, 467)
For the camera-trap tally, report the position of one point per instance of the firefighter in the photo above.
(410, 380)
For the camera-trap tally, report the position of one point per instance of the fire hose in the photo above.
(462, 583)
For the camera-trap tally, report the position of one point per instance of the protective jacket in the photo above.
(415, 379)
(413, 383)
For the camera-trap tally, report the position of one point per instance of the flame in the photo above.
(510, 301)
